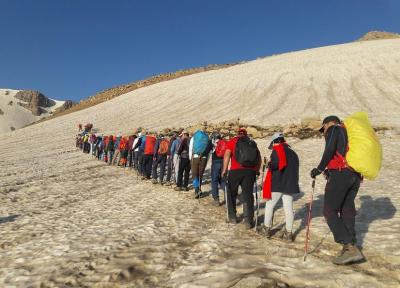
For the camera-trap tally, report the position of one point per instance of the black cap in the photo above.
(327, 120)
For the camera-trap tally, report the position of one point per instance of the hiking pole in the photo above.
(226, 197)
(258, 198)
(309, 220)
(200, 179)
(258, 205)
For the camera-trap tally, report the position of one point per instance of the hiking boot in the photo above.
(266, 231)
(154, 181)
(350, 253)
(143, 178)
(233, 220)
(248, 224)
(168, 183)
(216, 202)
(288, 236)
(178, 188)
(162, 183)
(285, 235)
(186, 189)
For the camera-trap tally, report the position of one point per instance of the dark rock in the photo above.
(35, 101)
(67, 104)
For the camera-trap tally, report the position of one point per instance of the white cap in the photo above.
(276, 136)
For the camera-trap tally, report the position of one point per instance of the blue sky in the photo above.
(71, 49)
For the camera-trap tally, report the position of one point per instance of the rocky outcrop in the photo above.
(378, 35)
(308, 128)
(34, 101)
(67, 105)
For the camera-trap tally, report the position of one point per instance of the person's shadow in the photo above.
(370, 210)
(302, 213)
(10, 218)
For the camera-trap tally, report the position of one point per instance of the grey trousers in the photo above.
(287, 207)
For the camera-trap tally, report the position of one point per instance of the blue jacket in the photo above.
(141, 147)
(175, 145)
(116, 145)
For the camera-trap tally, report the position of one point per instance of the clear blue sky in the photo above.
(71, 49)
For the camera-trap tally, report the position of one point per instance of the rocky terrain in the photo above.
(378, 35)
(68, 220)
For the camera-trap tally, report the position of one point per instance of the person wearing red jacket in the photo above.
(240, 175)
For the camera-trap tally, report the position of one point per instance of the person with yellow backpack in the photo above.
(352, 151)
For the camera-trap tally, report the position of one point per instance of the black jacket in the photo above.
(287, 180)
(336, 141)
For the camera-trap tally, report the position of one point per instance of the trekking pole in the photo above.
(200, 179)
(258, 204)
(226, 197)
(262, 185)
(309, 220)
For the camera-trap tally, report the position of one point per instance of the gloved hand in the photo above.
(315, 172)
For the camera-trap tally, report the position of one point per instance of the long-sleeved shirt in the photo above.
(336, 141)
(175, 146)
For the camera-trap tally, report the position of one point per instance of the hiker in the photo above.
(184, 163)
(340, 190)
(217, 161)
(86, 144)
(160, 158)
(245, 165)
(199, 147)
(117, 152)
(281, 182)
(148, 153)
(99, 147)
(110, 149)
(135, 149)
(131, 153)
(78, 141)
(175, 157)
(123, 148)
(92, 142)
(105, 145)
(170, 160)
(79, 127)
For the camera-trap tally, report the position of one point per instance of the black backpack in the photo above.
(246, 152)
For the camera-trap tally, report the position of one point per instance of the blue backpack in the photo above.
(200, 142)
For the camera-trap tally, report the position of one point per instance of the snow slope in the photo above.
(69, 220)
(16, 116)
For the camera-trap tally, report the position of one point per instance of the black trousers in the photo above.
(161, 160)
(244, 178)
(141, 163)
(184, 168)
(170, 163)
(130, 157)
(339, 208)
(136, 159)
(147, 163)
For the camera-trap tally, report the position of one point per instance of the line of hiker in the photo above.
(170, 159)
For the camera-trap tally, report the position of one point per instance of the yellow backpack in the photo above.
(365, 150)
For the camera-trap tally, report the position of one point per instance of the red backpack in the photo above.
(149, 145)
(220, 148)
(164, 145)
